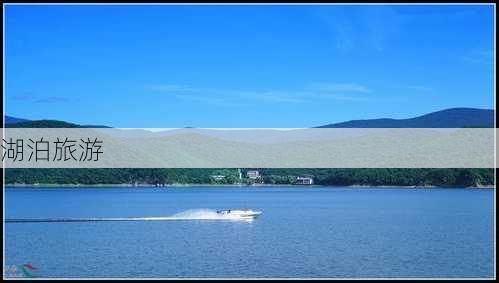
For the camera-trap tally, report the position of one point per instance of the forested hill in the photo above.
(335, 177)
(11, 122)
(457, 117)
(448, 118)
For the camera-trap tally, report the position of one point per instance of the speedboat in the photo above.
(240, 213)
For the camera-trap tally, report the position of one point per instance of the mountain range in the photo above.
(448, 118)
(13, 120)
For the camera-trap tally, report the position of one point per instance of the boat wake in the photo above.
(193, 214)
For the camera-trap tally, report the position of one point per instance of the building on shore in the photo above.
(304, 181)
(218, 177)
(253, 174)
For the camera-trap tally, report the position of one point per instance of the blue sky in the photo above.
(245, 66)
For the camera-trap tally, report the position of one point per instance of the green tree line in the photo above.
(454, 177)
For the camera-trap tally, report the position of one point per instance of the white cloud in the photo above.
(420, 88)
(341, 87)
(231, 97)
(363, 26)
(479, 56)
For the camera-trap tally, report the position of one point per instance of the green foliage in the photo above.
(385, 176)
(334, 177)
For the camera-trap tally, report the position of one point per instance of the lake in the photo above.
(302, 233)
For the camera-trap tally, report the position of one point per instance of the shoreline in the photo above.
(139, 186)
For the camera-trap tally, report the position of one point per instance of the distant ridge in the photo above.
(12, 120)
(448, 118)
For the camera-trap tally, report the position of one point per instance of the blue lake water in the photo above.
(303, 232)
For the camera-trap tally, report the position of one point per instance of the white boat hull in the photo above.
(245, 214)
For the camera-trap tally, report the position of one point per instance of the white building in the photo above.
(304, 181)
(253, 174)
(218, 177)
